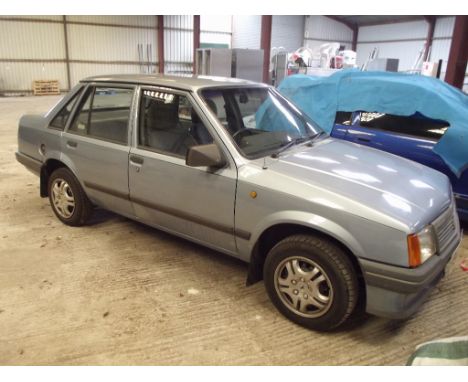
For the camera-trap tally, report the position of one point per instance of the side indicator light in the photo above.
(414, 251)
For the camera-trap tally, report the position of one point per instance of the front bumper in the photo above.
(397, 293)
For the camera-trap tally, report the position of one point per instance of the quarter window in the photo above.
(60, 120)
(104, 113)
(343, 118)
(169, 124)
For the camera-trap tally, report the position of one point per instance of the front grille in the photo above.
(446, 227)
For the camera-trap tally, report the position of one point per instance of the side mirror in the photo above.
(204, 155)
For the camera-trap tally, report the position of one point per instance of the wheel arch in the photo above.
(49, 166)
(272, 235)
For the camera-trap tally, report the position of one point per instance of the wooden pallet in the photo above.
(46, 87)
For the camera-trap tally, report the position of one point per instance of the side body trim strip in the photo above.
(172, 211)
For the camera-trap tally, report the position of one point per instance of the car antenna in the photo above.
(264, 167)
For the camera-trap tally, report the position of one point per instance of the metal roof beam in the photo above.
(349, 24)
(394, 20)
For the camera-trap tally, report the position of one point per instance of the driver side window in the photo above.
(168, 123)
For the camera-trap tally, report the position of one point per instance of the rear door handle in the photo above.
(136, 159)
(72, 144)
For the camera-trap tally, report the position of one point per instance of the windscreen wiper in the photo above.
(320, 133)
(289, 144)
(295, 142)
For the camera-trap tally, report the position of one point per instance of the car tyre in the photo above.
(311, 281)
(68, 199)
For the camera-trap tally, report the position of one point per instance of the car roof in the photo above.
(187, 82)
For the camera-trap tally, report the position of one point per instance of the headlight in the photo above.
(421, 246)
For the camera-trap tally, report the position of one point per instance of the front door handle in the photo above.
(72, 144)
(363, 139)
(136, 159)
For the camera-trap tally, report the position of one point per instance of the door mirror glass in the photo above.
(205, 155)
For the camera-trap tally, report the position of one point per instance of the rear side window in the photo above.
(104, 113)
(169, 124)
(60, 120)
(416, 125)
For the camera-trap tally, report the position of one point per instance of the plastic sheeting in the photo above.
(384, 92)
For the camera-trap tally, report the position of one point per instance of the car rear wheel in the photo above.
(311, 281)
(67, 198)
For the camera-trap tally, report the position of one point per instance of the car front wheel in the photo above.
(311, 281)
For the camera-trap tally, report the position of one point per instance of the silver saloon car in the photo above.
(235, 166)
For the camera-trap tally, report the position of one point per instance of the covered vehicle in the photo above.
(417, 117)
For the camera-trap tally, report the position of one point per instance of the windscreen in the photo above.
(259, 120)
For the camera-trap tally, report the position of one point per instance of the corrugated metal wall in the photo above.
(139, 21)
(400, 40)
(17, 77)
(112, 46)
(36, 17)
(319, 30)
(405, 40)
(178, 44)
(216, 29)
(178, 39)
(36, 40)
(246, 31)
(287, 32)
(31, 51)
(33, 48)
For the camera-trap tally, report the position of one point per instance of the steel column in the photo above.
(196, 39)
(67, 56)
(161, 43)
(355, 37)
(456, 66)
(430, 35)
(265, 44)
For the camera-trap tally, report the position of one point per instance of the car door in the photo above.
(194, 202)
(352, 131)
(412, 137)
(95, 145)
(343, 121)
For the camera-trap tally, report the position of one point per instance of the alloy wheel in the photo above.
(63, 198)
(303, 287)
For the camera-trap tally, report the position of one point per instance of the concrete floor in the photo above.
(117, 292)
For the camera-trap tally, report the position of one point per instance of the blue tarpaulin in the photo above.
(384, 92)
